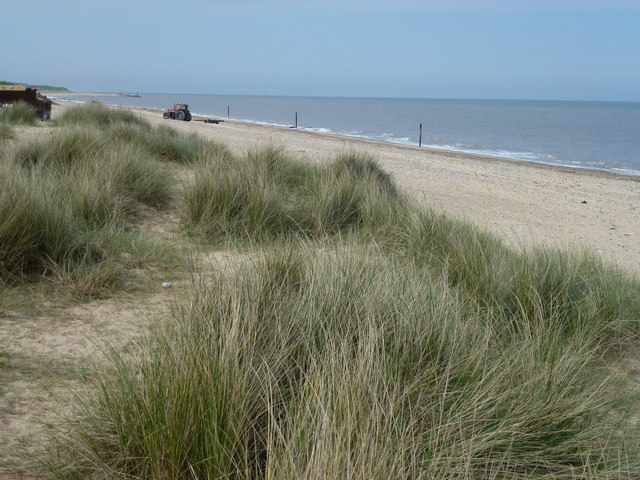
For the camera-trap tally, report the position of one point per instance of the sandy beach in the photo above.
(524, 203)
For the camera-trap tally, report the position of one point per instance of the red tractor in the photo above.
(180, 111)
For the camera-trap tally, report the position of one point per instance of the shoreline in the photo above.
(524, 203)
(632, 174)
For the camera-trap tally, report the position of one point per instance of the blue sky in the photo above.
(522, 49)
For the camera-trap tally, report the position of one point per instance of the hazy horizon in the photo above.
(124, 93)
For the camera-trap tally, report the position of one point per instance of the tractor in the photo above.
(180, 111)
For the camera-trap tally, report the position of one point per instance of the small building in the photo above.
(10, 94)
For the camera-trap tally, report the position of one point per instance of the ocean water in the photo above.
(600, 135)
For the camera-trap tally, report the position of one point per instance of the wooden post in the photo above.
(228, 112)
(296, 119)
(420, 141)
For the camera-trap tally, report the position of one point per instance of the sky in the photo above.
(517, 49)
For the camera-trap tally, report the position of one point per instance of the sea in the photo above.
(580, 134)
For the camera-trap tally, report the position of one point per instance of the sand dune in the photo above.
(524, 203)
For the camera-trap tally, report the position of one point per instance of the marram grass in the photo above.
(6, 133)
(61, 191)
(267, 195)
(99, 115)
(20, 113)
(349, 363)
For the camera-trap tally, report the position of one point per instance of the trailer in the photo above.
(12, 94)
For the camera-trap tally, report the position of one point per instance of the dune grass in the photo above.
(267, 195)
(6, 132)
(368, 338)
(18, 114)
(98, 115)
(57, 189)
(346, 362)
(121, 125)
(63, 195)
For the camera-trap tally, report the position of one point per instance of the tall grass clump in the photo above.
(171, 145)
(62, 192)
(574, 288)
(124, 175)
(6, 133)
(267, 195)
(99, 115)
(99, 178)
(122, 125)
(20, 113)
(350, 363)
(36, 229)
(64, 148)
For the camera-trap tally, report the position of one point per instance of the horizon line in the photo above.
(362, 97)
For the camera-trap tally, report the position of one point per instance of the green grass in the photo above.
(65, 148)
(18, 114)
(98, 115)
(267, 195)
(65, 194)
(6, 133)
(56, 191)
(346, 362)
(122, 125)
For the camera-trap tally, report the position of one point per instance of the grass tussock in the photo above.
(6, 133)
(98, 115)
(267, 195)
(171, 145)
(352, 363)
(51, 218)
(63, 149)
(61, 191)
(19, 114)
(123, 126)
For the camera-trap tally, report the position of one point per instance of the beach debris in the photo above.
(167, 284)
(583, 201)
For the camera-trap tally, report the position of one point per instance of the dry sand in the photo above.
(524, 203)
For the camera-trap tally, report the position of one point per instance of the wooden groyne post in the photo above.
(420, 140)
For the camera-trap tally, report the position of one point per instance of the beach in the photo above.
(53, 333)
(524, 203)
